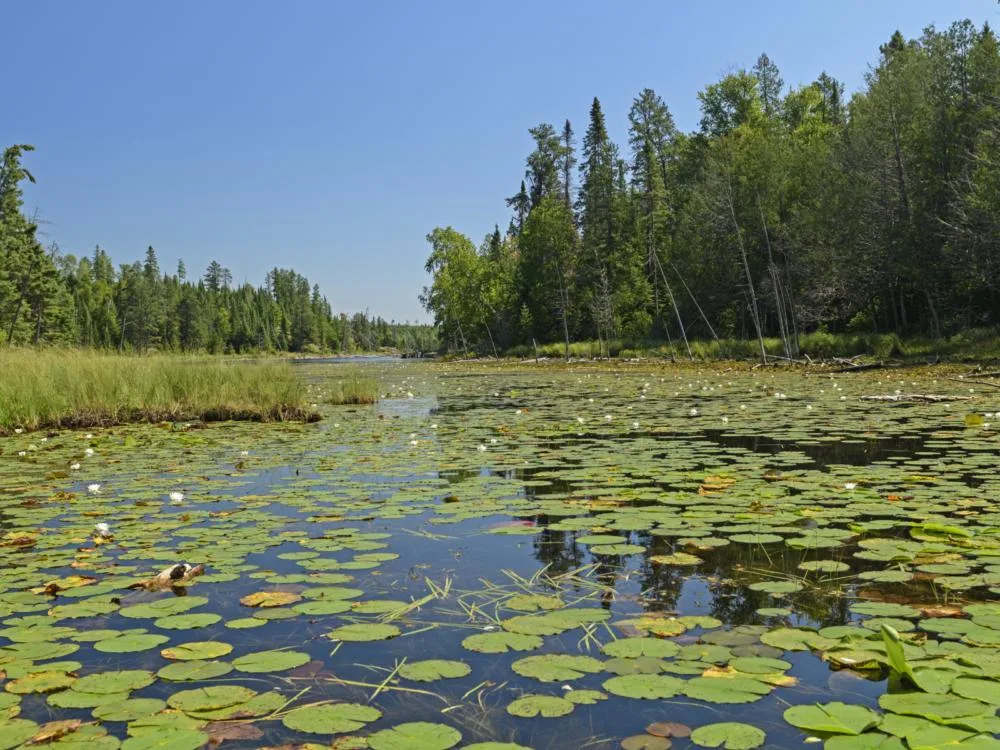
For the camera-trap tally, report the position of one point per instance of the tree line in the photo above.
(48, 297)
(788, 210)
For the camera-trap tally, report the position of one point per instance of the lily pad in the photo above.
(337, 718)
(419, 735)
(729, 735)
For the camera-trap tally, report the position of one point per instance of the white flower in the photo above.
(44, 440)
(489, 627)
(567, 687)
(88, 436)
(75, 466)
(481, 448)
(518, 411)
(102, 529)
(743, 406)
(409, 394)
(808, 407)
(843, 398)
(244, 453)
(635, 425)
(434, 426)
(18, 430)
(94, 489)
(607, 417)
(22, 453)
(176, 497)
(413, 442)
(725, 420)
(580, 420)
(493, 441)
(693, 412)
(89, 452)
(850, 485)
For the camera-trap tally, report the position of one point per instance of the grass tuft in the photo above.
(353, 389)
(81, 388)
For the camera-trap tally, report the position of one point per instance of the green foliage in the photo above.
(796, 218)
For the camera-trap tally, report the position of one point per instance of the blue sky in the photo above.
(331, 136)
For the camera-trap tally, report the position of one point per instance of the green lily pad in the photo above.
(645, 686)
(833, 718)
(336, 718)
(210, 698)
(121, 681)
(546, 706)
(729, 735)
(363, 632)
(501, 643)
(131, 643)
(434, 669)
(419, 735)
(270, 661)
(194, 671)
(631, 648)
(556, 667)
(197, 650)
(128, 710)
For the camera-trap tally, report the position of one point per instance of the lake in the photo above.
(502, 556)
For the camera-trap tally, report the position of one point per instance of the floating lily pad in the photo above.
(337, 718)
(434, 669)
(547, 706)
(420, 735)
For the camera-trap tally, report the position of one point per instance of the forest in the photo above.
(53, 298)
(789, 210)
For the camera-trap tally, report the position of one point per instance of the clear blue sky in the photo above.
(330, 136)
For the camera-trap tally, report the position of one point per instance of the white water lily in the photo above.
(176, 497)
(693, 412)
(88, 436)
(413, 442)
(94, 489)
(103, 530)
(580, 420)
(434, 426)
(244, 453)
(89, 452)
(607, 417)
(635, 425)
(493, 441)
(481, 448)
(743, 406)
(75, 466)
(22, 453)
(18, 430)
(850, 485)
(725, 420)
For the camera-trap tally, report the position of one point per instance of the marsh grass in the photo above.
(74, 388)
(978, 343)
(354, 388)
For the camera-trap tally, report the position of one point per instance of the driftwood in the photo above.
(859, 368)
(976, 382)
(917, 398)
(175, 576)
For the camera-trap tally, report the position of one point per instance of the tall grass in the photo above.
(77, 388)
(352, 389)
(974, 343)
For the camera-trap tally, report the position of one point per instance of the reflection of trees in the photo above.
(558, 550)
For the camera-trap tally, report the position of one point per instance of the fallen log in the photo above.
(917, 398)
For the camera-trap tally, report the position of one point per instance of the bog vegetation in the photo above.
(788, 211)
(86, 389)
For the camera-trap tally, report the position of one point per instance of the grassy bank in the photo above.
(40, 389)
(983, 343)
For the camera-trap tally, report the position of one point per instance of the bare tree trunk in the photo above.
(754, 309)
(772, 269)
(673, 303)
(695, 301)
(564, 304)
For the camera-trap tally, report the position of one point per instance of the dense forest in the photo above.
(788, 210)
(47, 297)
